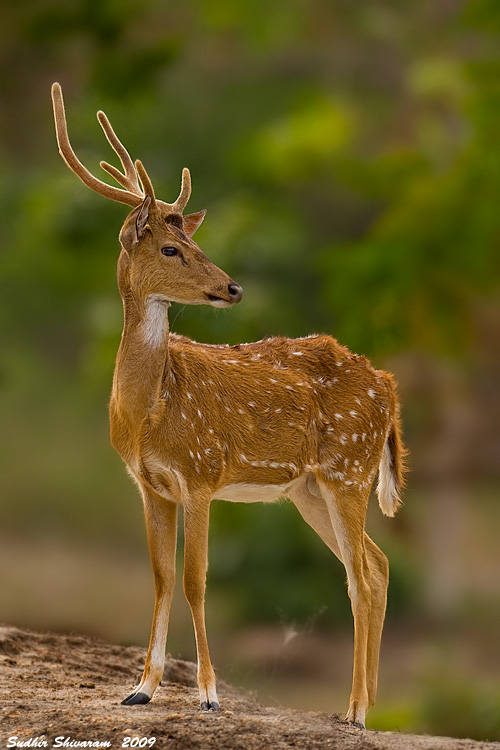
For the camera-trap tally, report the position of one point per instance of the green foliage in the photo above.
(454, 708)
(272, 567)
(309, 138)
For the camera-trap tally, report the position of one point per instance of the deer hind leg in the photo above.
(309, 502)
(347, 510)
(379, 570)
(313, 509)
(196, 518)
(161, 527)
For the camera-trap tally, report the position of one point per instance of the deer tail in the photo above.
(391, 470)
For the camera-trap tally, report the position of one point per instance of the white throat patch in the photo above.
(155, 325)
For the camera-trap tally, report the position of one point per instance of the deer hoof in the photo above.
(358, 725)
(136, 699)
(207, 706)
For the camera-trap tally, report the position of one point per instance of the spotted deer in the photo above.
(302, 418)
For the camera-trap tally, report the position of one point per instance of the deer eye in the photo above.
(169, 251)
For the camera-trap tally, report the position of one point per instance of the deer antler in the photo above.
(184, 195)
(132, 177)
(128, 180)
(131, 198)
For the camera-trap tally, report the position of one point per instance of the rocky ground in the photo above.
(65, 691)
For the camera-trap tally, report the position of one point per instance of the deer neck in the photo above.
(143, 357)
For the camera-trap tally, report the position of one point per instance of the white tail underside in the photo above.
(387, 490)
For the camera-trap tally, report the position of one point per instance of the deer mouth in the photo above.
(216, 301)
(234, 291)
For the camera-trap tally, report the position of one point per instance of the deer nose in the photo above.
(235, 292)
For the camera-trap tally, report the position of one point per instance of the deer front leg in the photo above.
(161, 527)
(196, 519)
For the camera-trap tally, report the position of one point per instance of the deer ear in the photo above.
(135, 226)
(191, 222)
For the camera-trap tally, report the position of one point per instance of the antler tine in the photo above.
(146, 182)
(128, 180)
(184, 195)
(121, 179)
(130, 197)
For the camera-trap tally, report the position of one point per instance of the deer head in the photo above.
(159, 258)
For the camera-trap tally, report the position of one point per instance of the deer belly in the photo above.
(251, 493)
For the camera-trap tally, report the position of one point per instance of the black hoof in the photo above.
(207, 706)
(357, 725)
(135, 699)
